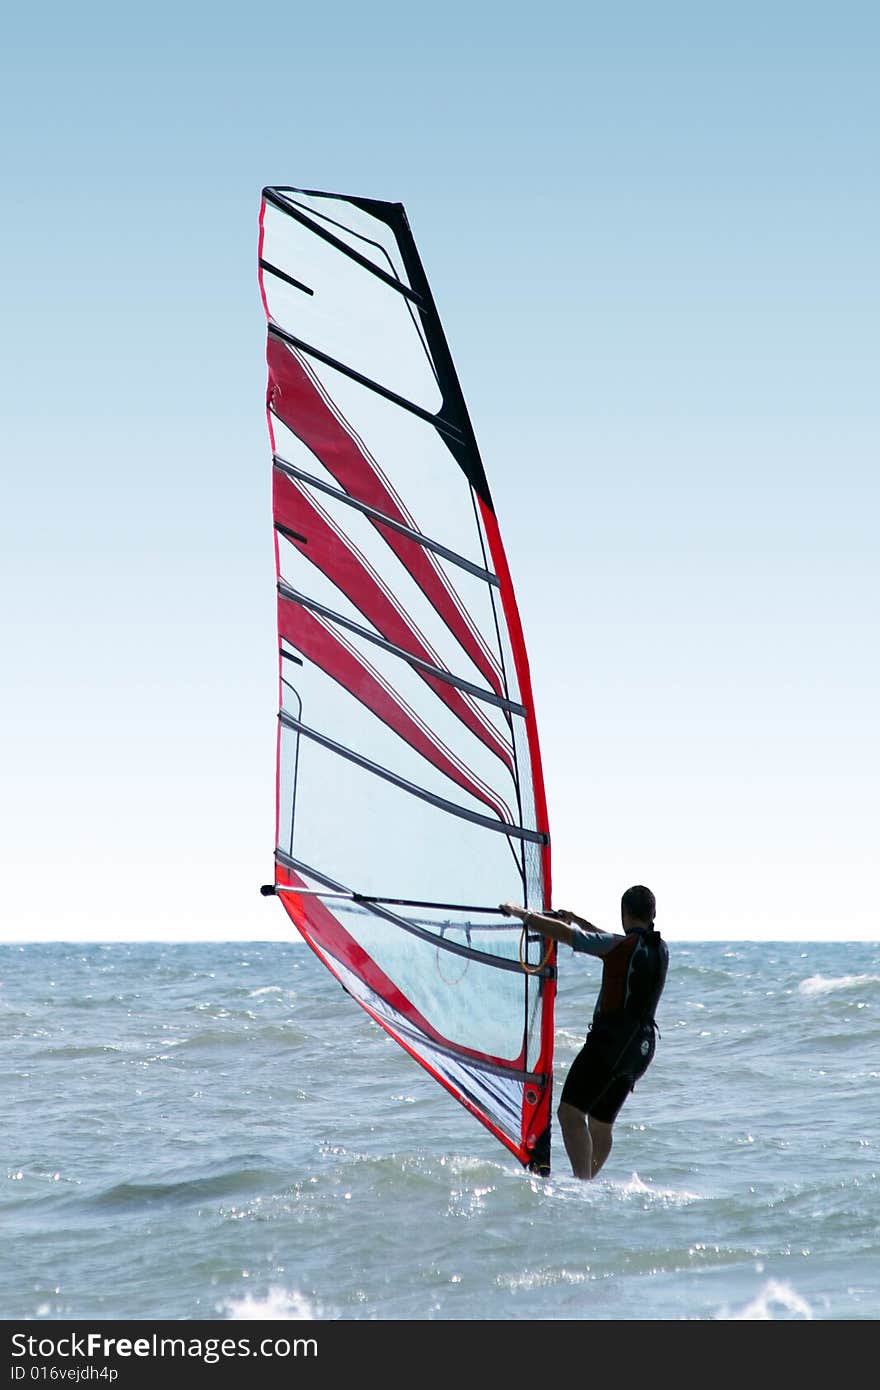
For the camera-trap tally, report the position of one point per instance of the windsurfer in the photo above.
(620, 1043)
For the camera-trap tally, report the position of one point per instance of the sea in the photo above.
(215, 1131)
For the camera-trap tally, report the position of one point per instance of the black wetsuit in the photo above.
(620, 1045)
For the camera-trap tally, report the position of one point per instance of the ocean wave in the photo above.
(823, 984)
(185, 1190)
(74, 1051)
(287, 1034)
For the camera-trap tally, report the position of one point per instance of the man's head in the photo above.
(638, 906)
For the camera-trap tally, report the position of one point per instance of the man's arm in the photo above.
(573, 920)
(557, 927)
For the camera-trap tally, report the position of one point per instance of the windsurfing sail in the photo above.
(410, 799)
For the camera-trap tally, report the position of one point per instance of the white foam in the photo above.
(774, 1295)
(668, 1196)
(287, 1305)
(543, 1278)
(823, 984)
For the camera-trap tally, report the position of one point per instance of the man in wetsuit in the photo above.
(620, 1043)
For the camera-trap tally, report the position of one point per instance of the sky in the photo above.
(652, 235)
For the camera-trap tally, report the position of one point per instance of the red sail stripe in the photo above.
(298, 403)
(316, 641)
(333, 554)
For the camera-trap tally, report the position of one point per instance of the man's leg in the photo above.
(601, 1140)
(578, 1140)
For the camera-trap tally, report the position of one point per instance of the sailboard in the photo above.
(409, 793)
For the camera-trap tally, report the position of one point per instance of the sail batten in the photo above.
(381, 517)
(428, 668)
(409, 781)
(312, 351)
